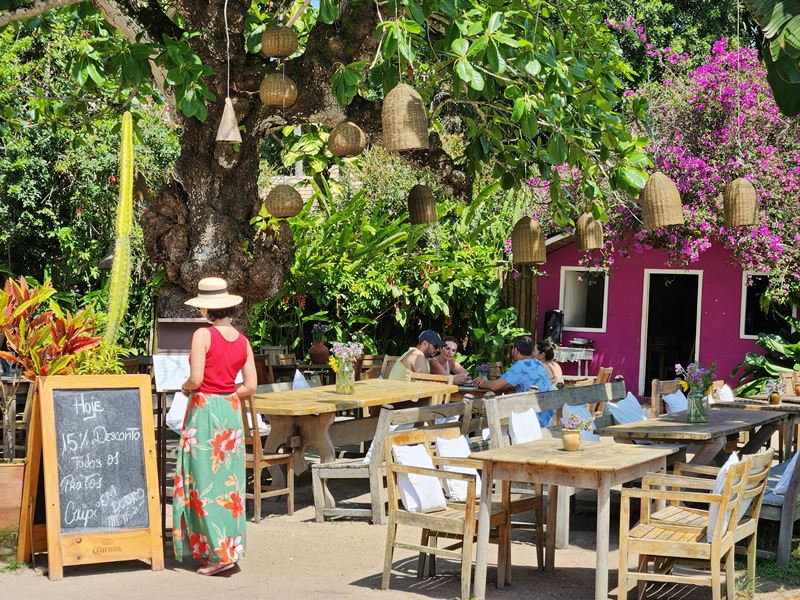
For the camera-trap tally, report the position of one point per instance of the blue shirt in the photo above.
(526, 373)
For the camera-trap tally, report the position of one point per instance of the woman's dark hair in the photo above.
(222, 313)
(450, 338)
(547, 348)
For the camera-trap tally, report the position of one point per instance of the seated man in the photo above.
(415, 360)
(445, 364)
(524, 373)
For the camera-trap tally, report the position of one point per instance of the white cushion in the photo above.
(627, 410)
(719, 483)
(724, 394)
(675, 402)
(486, 434)
(583, 413)
(783, 483)
(457, 448)
(177, 412)
(524, 427)
(418, 493)
(299, 382)
(401, 427)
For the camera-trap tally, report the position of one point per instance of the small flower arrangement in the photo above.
(346, 353)
(695, 376)
(776, 387)
(318, 332)
(576, 423)
(482, 368)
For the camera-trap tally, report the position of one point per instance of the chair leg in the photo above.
(319, 494)
(503, 559)
(622, 579)
(421, 561)
(716, 592)
(434, 543)
(256, 493)
(730, 577)
(641, 586)
(391, 532)
(751, 562)
(539, 516)
(290, 485)
(466, 563)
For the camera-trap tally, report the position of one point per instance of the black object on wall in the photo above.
(553, 325)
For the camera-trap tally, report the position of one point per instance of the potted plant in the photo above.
(319, 352)
(342, 362)
(697, 379)
(41, 340)
(571, 428)
(775, 391)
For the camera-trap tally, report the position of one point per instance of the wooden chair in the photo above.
(658, 388)
(371, 366)
(372, 466)
(443, 398)
(257, 461)
(388, 363)
(758, 467)
(662, 542)
(457, 520)
(604, 374)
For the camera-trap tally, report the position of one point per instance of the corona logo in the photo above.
(105, 549)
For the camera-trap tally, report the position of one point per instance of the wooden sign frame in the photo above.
(66, 549)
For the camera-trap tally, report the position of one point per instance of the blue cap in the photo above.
(430, 336)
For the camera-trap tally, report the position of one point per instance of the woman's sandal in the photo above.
(211, 569)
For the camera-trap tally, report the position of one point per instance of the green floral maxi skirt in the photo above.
(208, 514)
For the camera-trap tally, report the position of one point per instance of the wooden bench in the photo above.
(784, 510)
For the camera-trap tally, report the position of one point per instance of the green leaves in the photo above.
(346, 80)
(329, 11)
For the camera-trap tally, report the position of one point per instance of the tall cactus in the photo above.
(121, 269)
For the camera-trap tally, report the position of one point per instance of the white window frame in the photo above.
(743, 303)
(646, 310)
(563, 282)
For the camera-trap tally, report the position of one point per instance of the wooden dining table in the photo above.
(791, 410)
(596, 465)
(711, 437)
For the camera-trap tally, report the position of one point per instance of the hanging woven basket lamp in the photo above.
(421, 205)
(527, 243)
(739, 204)
(283, 201)
(405, 125)
(277, 90)
(278, 41)
(347, 139)
(661, 203)
(589, 232)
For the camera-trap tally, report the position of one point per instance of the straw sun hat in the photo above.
(212, 292)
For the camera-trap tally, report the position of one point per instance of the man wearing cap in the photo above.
(415, 360)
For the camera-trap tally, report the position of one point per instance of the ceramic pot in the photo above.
(319, 353)
(774, 398)
(697, 411)
(346, 379)
(571, 439)
(11, 476)
(797, 390)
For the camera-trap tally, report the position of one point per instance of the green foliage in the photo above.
(103, 359)
(780, 356)
(780, 23)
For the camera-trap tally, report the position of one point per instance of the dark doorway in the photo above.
(671, 324)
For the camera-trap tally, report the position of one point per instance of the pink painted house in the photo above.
(645, 316)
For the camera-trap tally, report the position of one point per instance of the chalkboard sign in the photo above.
(99, 462)
(101, 478)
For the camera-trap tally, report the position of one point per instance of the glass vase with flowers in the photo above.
(342, 361)
(697, 379)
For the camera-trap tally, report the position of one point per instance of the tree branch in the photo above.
(37, 8)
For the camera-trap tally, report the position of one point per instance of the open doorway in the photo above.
(670, 323)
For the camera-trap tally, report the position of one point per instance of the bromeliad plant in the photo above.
(42, 339)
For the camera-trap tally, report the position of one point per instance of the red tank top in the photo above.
(224, 359)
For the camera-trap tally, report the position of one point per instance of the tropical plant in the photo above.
(41, 338)
(780, 356)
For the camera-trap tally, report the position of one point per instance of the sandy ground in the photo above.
(295, 557)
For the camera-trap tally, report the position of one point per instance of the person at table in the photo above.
(209, 498)
(444, 363)
(415, 359)
(525, 373)
(546, 353)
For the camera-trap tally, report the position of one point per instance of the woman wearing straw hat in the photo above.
(208, 501)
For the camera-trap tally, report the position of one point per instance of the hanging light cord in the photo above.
(739, 91)
(227, 48)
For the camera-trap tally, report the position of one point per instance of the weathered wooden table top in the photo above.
(751, 404)
(788, 398)
(721, 422)
(592, 456)
(324, 399)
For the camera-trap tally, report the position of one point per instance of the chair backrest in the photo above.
(422, 417)
(388, 363)
(788, 382)
(252, 436)
(285, 359)
(443, 398)
(758, 466)
(604, 374)
(658, 388)
(371, 365)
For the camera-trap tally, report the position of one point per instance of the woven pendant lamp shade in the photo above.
(739, 203)
(421, 205)
(284, 201)
(278, 41)
(661, 203)
(405, 126)
(277, 90)
(589, 232)
(527, 243)
(347, 139)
